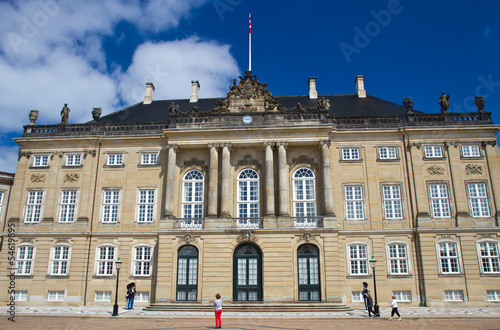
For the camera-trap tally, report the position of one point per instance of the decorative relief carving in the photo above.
(490, 143)
(446, 236)
(308, 237)
(435, 170)
(249, 161)
(89, 152)
(246, 236)
(481, 236)
(195, 162)
(304, 160)
(414, 144)
(24, 154)
(38, 178)
(471, 169)
(27, 240)
(61, 240)
(71, 177)
(187, 238)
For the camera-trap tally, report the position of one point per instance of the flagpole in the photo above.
(249, 42)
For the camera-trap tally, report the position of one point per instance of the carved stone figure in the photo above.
(173, 109)
(221, 106)
(408, 104)
(479, 102)
(96, 113)
(323, 104)
(444, 102)
(33, 116)
(65, 114)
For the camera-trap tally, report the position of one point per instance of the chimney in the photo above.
(360, 87)
(150, 90)
(313, 94)
(195, 88)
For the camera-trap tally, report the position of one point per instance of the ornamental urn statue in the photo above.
(479, 102)
(96, 113)
(33, 116)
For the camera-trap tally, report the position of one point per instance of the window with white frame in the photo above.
(141, 297)
(392, 201)
(34, 206)
(478, 200)
(40, 160)
(193, 194)
(20, 295)
(350, 154)
(493, 295)
(56, 296)
(449, 262)
(60, 260)
(398, 259)
(105, 260)
(73, 159)
(103, 296)
(489, 258)
(146, 205)
(358, 259)
(402, 295)
(248, 203)
(357, 296)
(149, 158)
(142, 261)
(115, 159)
(470, 150)
(433, 151)
(387, 153)
(304, 198)
(111, 203)
(25, 259)
(354, 202)
(439, 200)
(68, 206)
(453, 295)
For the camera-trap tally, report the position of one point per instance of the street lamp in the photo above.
(373, 263)
(115, 307)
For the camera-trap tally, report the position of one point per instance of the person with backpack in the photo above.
(130, 295)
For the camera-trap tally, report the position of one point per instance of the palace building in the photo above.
(271, 201)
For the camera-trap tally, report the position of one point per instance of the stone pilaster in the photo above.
(283, 179)
(213, 179)
(225, 181)
(170, 188)
(327, 182)
(270, 209)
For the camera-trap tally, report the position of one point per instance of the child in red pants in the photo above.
(218, 310)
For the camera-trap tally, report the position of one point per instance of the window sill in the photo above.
(394, 160)
(104, 277)
(57, 276)
(451, 275)
(400, 276)
(350, 161)
(141, 277)
(39, 167)
(23, 276)
(433, 158)
(70, 167)
(358, 276)
(148, 165)
(114, 166)
(489, 274)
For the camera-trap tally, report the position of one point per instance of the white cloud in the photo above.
(8, 159)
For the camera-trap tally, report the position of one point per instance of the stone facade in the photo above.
(259, 202)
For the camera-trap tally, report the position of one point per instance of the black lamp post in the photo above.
(373, 263)
(115, 307)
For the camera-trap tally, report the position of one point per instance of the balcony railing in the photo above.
(189, 223)
(247, 223)
(307, 222)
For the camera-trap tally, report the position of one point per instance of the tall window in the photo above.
(105, 260)
(60, 259)
(248, 199)
(358, 259)
(478, 200)
(40, 160)
(308, 267)
(440, 203)
(34, 206)
(146, 205)
(433, 152)
(193, 195)
(247, 273)
(142, 261)
(387, 153)
(489, 258)
(187, 273)
(398, 259)
(350, 154)
(393, 206)
(354, 202)
(25, 258)
(68, 206)
(470, 150)
(73, 159)
(115, 159)
(110, 206)
(448, 258)
(304, 198)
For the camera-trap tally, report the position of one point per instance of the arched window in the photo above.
(248, 199)
(308, 266)
(247, 273)
(187, 273)
(192, 199)
(304, 198)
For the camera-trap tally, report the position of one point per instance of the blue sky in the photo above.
(100, 53)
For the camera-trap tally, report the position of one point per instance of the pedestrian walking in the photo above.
(365, 292)
(218, 311)
(394, 306)
(369, 303)
(130, 295)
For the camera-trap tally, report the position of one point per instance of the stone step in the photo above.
(251, 307)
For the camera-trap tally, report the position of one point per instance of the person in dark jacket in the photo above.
(369, 302)
(130, 295)
(365, 292)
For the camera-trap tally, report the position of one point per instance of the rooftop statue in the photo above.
(408, 104)
(479, 102)
(444, 102)
(65, 114)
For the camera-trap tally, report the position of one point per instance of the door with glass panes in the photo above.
(247, 274)
(308, 266)
(187, 273)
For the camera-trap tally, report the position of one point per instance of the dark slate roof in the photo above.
(340, 106)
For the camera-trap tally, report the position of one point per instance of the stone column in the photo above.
(269, 178)
(327, 177)
(283, 179)
(170, 189)
(213, 180)
(225, 182)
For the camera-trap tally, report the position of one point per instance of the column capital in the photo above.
(172, 146)
(489, 143)
(327, 143)
(269, 144)
(226, 145)
(214, 145)
(283, 144)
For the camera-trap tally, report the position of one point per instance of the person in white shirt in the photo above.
(394, 305)
(218, 310)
